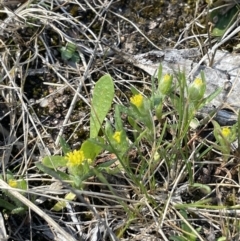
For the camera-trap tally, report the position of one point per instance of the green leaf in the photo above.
(60, 205)
(6, 205)
(19, 210)
(217, 131)
(22, 184)
(65, 54)
(159, 73)
(134, 90)
(190, 236)
(77, 180)
(68, 52)
(101, 103)
(175, 238)
(106, 164)
(134, 124)
(118, 120)
(212, 96)
(56, 174)
(65, 147)
(90, 149)
(204, 188)
(223, 22)
(222, 239)
(108, 130)
(99, 142)
(9, 175)
(70, 196)
(54, 161)
(75, 57)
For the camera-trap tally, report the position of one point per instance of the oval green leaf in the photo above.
(223, 21)
(54, 161)
(103, 94)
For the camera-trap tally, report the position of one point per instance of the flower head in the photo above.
(75, 158)
(117, 136)
(166, 77)
(197, 90)
(165, 84)
(198, 82)
(226, 132)
(12, 183)
(137, 100)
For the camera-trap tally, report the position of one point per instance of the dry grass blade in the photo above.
(3, 233)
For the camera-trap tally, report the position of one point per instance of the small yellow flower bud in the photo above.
(137, 100)
(12, 183)
(117, 136)
(226, 132)
(165, 84)
(198, 82)
(197, 90)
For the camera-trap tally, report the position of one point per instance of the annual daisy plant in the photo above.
(139, 126)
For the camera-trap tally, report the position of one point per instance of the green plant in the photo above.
(9, 202)
(80, 162)
(141, 126)
(69, 53)
(140, 116)
(188, 234)
(224, 137)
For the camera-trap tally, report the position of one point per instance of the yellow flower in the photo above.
(198, 82)
(137, 100)
(117, 136)
(166, 77)
(226, 132)
(75, 158)
(12, 183)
